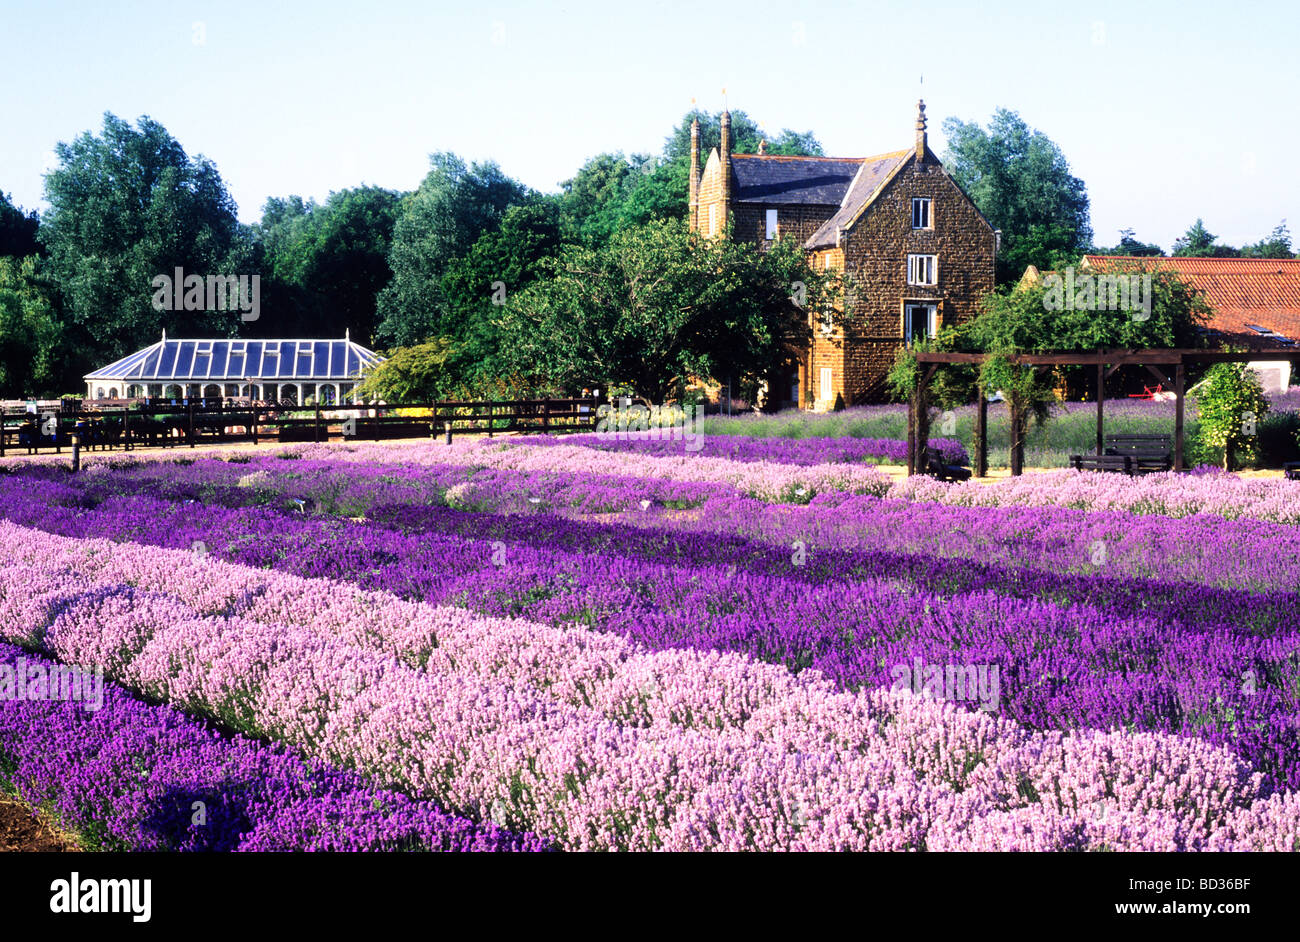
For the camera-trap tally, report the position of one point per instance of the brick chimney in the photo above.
(695, 174)
(724, 152)
(920, 132)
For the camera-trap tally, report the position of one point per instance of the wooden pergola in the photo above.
(1106, 363)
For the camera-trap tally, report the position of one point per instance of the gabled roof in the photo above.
(1254, 299)
(872, 175)
(235, 360)
(813, 181)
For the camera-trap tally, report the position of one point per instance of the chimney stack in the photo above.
(920, 132)
(762, 147)
(695, 174)
(725, 153)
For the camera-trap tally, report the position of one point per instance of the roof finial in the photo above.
(762, 147)
(164, 336)
(347, 334)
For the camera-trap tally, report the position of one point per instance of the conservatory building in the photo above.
(287, 371)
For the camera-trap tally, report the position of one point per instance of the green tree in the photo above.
(1130, 245)
(745, 136)
(438, 223)
(1277, 245)
(126, 206)
(1198, 241)
(1021, 182)
(592, 200)
(17, 230)
(657, 305)
(410, 374)
(29, 330)
(1231, 403)
(502, 262)
(327, 264)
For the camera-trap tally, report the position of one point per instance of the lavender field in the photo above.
(579, 644)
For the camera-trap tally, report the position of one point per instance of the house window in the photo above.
(825, 389)
(713, 219)
(921, 213)
(922, 269)
(771, 224)
(920, 321)
(827, 262)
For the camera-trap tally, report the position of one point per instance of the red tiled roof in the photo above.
(1242, 291)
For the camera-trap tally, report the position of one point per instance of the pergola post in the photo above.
(911, 430)
(1017, 437)
(1101, 399)
(1179, 381)
(982, 435)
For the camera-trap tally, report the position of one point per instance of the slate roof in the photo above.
(1254, 299)
(813, 181)
(233, 360)
(872, 172)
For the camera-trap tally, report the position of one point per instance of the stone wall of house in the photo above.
(875, 251)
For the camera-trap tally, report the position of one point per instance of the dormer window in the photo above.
(771, 224)
(921, 218)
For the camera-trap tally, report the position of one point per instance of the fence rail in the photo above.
(128, 424)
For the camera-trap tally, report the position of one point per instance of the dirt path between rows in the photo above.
(21, 830)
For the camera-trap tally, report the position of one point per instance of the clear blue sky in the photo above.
(1167, 111)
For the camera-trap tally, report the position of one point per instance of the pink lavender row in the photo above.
(799, 451)
(600, 744)
(764, 480)
(125, 775)
(1170, 658)
(1168, 494)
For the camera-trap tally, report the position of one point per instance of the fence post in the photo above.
(189, 417)
(316, 430)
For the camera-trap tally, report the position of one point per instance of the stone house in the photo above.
(914, 251)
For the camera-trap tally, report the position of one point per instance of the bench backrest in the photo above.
(1144, 445)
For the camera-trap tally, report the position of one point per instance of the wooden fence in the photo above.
(105, 425)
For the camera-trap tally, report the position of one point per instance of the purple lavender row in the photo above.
(800, 451)
(1052, 553)
(1062, 665)
(126, 775)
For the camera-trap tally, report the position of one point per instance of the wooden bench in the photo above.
(1131, 454)
(939, 467)
(1149, 452)
(1291, 470)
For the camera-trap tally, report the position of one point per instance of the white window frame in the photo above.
(771, 224)
(826, 384)
(923, 270)
(927, 206)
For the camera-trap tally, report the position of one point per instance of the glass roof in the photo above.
(233, 360)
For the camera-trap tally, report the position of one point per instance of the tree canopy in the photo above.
(438, 223)
(1021, 182)
(657, 305)
(125, 206)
